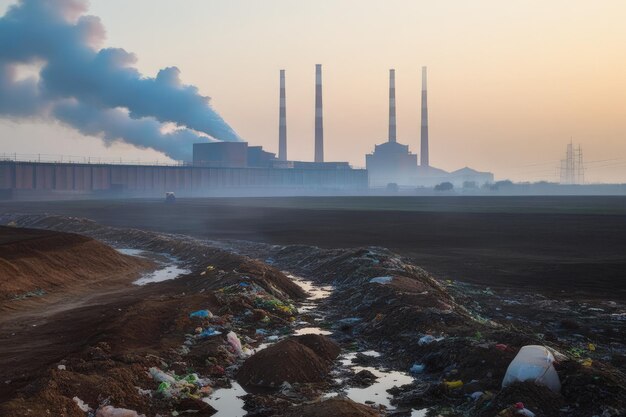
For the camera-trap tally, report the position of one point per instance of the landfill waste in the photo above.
(533, 363)
(81, 404)
(453, 384)
(425, 340)
(161, 376)
(381, 280)
(202, 314)
(477, 395)
(207, 333)
(235, 343)
(110, 411)
(523, 410)
(174, 386)
(417, 368)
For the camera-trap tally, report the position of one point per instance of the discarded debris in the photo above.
(533, 363)
(81, 404)
(110, 411)
(381, 280)
(202, 314)
(417, 368)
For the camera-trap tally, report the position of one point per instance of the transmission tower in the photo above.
(572, 167)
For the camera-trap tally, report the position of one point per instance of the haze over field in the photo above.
(509, 83)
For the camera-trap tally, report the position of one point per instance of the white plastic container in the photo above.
(533, 363)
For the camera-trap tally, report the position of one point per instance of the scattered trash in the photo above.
(381, 280)
(417, 368)
(81, 404)
(174, 386)
(587, 362)
(453, 384)
(425, 340)
(61, 367)
(523, 410)
(502, 347)
(591, 347)
(110, 411)
(39, 292)
(161, 376)
(208, 332)
(534, 363)
(235, 343)
(476, 395)
(202, 314)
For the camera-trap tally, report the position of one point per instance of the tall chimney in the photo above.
(319, 121)
(392, 105)
(424, 131)
(282, 121)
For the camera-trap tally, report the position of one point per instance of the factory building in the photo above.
(24, 180)
(217, 168)
(393, 163)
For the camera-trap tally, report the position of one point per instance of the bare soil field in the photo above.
(240, 312)
(552, 245)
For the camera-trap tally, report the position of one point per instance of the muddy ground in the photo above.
(573, 245)
(100, 344)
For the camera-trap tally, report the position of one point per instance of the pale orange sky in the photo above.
(509, 81)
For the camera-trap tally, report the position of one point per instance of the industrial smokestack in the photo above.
(392, 105)
(424, 131)
(282, 121)
(319, 120)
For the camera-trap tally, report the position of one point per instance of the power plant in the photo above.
(236, 168)
(393, 163)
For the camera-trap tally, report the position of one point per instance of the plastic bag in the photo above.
(533, 363)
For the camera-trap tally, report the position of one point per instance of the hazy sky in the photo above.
(510, 82)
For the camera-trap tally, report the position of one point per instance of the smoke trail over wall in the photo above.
(97, 91)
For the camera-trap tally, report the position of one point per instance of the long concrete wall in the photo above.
(142, 180)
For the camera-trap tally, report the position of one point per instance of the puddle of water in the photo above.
(377, 392)
(315, 292)
(346, 359)
(131, 252)
(164, 274)
(226, 401)
(312, 330)
(169, 271)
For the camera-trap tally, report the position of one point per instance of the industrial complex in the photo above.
(393, 163)
(236, 168)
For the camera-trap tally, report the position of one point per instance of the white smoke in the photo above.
(97, 91)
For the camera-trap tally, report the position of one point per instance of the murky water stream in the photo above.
(170, 267)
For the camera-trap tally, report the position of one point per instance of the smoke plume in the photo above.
(96, 91)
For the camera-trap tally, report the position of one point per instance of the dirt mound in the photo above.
(322, 346)
(192, 252)
(336, 407)
(36, 262)
(291, 360)
(537, 398)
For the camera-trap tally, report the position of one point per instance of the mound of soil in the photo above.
(297, 359)
(322, 346)
(336, 407)
(40, 261)
(537, 398)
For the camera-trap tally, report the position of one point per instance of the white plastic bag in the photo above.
(533, 363)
